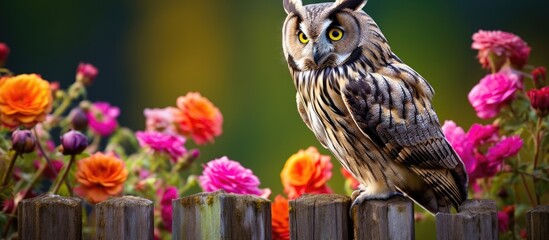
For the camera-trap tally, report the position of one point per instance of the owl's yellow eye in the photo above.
(335, 34)
(302, 38)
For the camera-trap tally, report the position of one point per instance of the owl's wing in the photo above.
(399, 119)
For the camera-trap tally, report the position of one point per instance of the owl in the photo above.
(370, 109)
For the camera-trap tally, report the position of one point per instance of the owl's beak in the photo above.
(318, 55)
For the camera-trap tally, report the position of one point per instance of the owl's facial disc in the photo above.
(319, 50)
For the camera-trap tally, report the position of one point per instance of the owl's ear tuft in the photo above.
(350, 4)
(292, 6)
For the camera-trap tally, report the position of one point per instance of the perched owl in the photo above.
(372, 111)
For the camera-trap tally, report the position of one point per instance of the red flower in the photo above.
(86, 73)
(4, 52)
(540, 100)
(539, 75)
(501, 46)
(280, 221)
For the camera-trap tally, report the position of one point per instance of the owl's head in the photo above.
(323, 35)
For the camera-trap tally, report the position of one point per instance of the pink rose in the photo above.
(457, 137)
(166, 208)
(502, 46)
(493, 92)
(170, 144)
(86, 73)
(229, 175)
(506, 148)
(102, 118)
(160, 119)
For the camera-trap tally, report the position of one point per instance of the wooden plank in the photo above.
(320, 216)
(384, 219)
(477, 219)
(537, 223)
(220, 215)
(50, 217)
(125, 217)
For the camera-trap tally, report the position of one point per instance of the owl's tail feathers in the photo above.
(429, 201)
(442, 189)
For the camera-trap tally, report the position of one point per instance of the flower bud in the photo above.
(79, 119)
(539, 75)
(86, 73)
(73, 142)
(195, 153)
(540, 100)
(4, 52)
(23, 141)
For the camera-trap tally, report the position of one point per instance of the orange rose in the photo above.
(280, 220)
(100, 176)
(25, 100)
(198, 118)
(307, 171)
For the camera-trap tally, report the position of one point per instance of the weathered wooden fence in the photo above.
(220, 215)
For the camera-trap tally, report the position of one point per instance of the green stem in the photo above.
(5, 71)
(528, 193)
(41, 149)
(64, 105)
(7, 176)
(63, 175)
(533, 176)
(537, 149)
(72, 93)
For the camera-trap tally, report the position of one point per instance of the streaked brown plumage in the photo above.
(366, 106)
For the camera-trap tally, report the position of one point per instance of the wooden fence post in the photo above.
(537, 223)
(50, 217)
(477, 219)
(384, 219)
(220, 215)
(320, 216)
(125, 217)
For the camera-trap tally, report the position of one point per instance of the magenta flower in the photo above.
(170, 144)
(493, 92)
(503, 221)
(507, 147)
(48, 172)
(166, 208)
(86, 73)
(160, 119)
(502, 46)
(471, 147)
(228, 175)
(4, 52)
(102, 118)
(461, 144)
(480, 134)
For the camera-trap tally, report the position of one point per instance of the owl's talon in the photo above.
(359, 196)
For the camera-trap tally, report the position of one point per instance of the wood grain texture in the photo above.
(384, 219)
(320, 216)
(477, 219)
(50, 217)
(125, 217)
(220, 215)
(537, 223)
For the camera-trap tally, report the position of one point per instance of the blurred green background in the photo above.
(150, 52)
